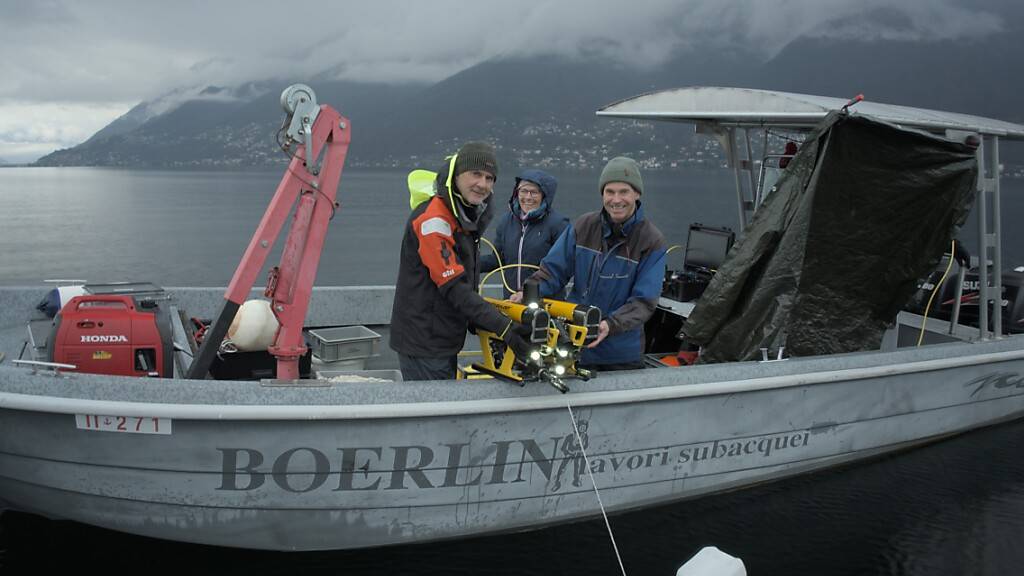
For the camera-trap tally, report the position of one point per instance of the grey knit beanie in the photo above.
(476, 156)
(622, 169)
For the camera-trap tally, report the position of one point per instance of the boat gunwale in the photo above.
(66, 405)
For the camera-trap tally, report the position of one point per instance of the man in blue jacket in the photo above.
(529, 229)
(616, 259)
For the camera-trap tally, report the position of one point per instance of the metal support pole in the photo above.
(750, 166)
(759, 190)
(982, 207)
(740, 200)
(958, 296)
(997, 258)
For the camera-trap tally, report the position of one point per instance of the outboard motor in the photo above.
(1012, 300)
(943, 304)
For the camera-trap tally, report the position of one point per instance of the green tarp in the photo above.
(862, 212)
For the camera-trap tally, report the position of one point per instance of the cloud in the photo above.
(92, 54)
(107, 49)
(910, 22)
(29, 130)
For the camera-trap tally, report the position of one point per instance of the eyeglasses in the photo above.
(529, 191)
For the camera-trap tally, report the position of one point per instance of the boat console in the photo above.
(705, 250)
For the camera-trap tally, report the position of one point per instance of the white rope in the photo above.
(597, 492)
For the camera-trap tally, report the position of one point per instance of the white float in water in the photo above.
(711, 561)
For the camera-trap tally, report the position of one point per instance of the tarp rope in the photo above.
(590, 474)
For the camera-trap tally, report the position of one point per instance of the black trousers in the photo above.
(428, 367)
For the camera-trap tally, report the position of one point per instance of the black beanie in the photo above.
(477, 156)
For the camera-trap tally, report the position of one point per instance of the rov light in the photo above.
(559, 369)
(532, 306)
(535, 356)
(562, 353)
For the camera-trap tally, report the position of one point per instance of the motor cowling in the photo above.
(1012, 301)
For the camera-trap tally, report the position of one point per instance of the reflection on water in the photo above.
(951, 508)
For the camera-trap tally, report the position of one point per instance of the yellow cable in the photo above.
(495, 250)
(497, 256)
(674, 247)
(924, 321)
(500, 267)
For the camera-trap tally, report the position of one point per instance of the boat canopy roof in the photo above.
(747, 107)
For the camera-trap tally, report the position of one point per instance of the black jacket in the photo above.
(435, 295)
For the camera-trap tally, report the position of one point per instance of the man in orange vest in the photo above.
(435, 296)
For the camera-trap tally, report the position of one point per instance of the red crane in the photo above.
(321, 137)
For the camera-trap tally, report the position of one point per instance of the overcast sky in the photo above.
(70, 67)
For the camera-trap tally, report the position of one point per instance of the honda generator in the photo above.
(113, 334)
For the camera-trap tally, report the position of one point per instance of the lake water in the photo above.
(954, 507)
(191, 228)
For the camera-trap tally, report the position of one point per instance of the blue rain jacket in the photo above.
(526, 240)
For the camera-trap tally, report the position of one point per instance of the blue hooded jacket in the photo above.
(526, 240)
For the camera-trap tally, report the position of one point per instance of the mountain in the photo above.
(540, 111)
(214, 128)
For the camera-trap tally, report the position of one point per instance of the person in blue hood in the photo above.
(529, 229)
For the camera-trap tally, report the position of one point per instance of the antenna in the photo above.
(852, 101)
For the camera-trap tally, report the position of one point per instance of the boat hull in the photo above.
(253, 465)
(331, 476)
